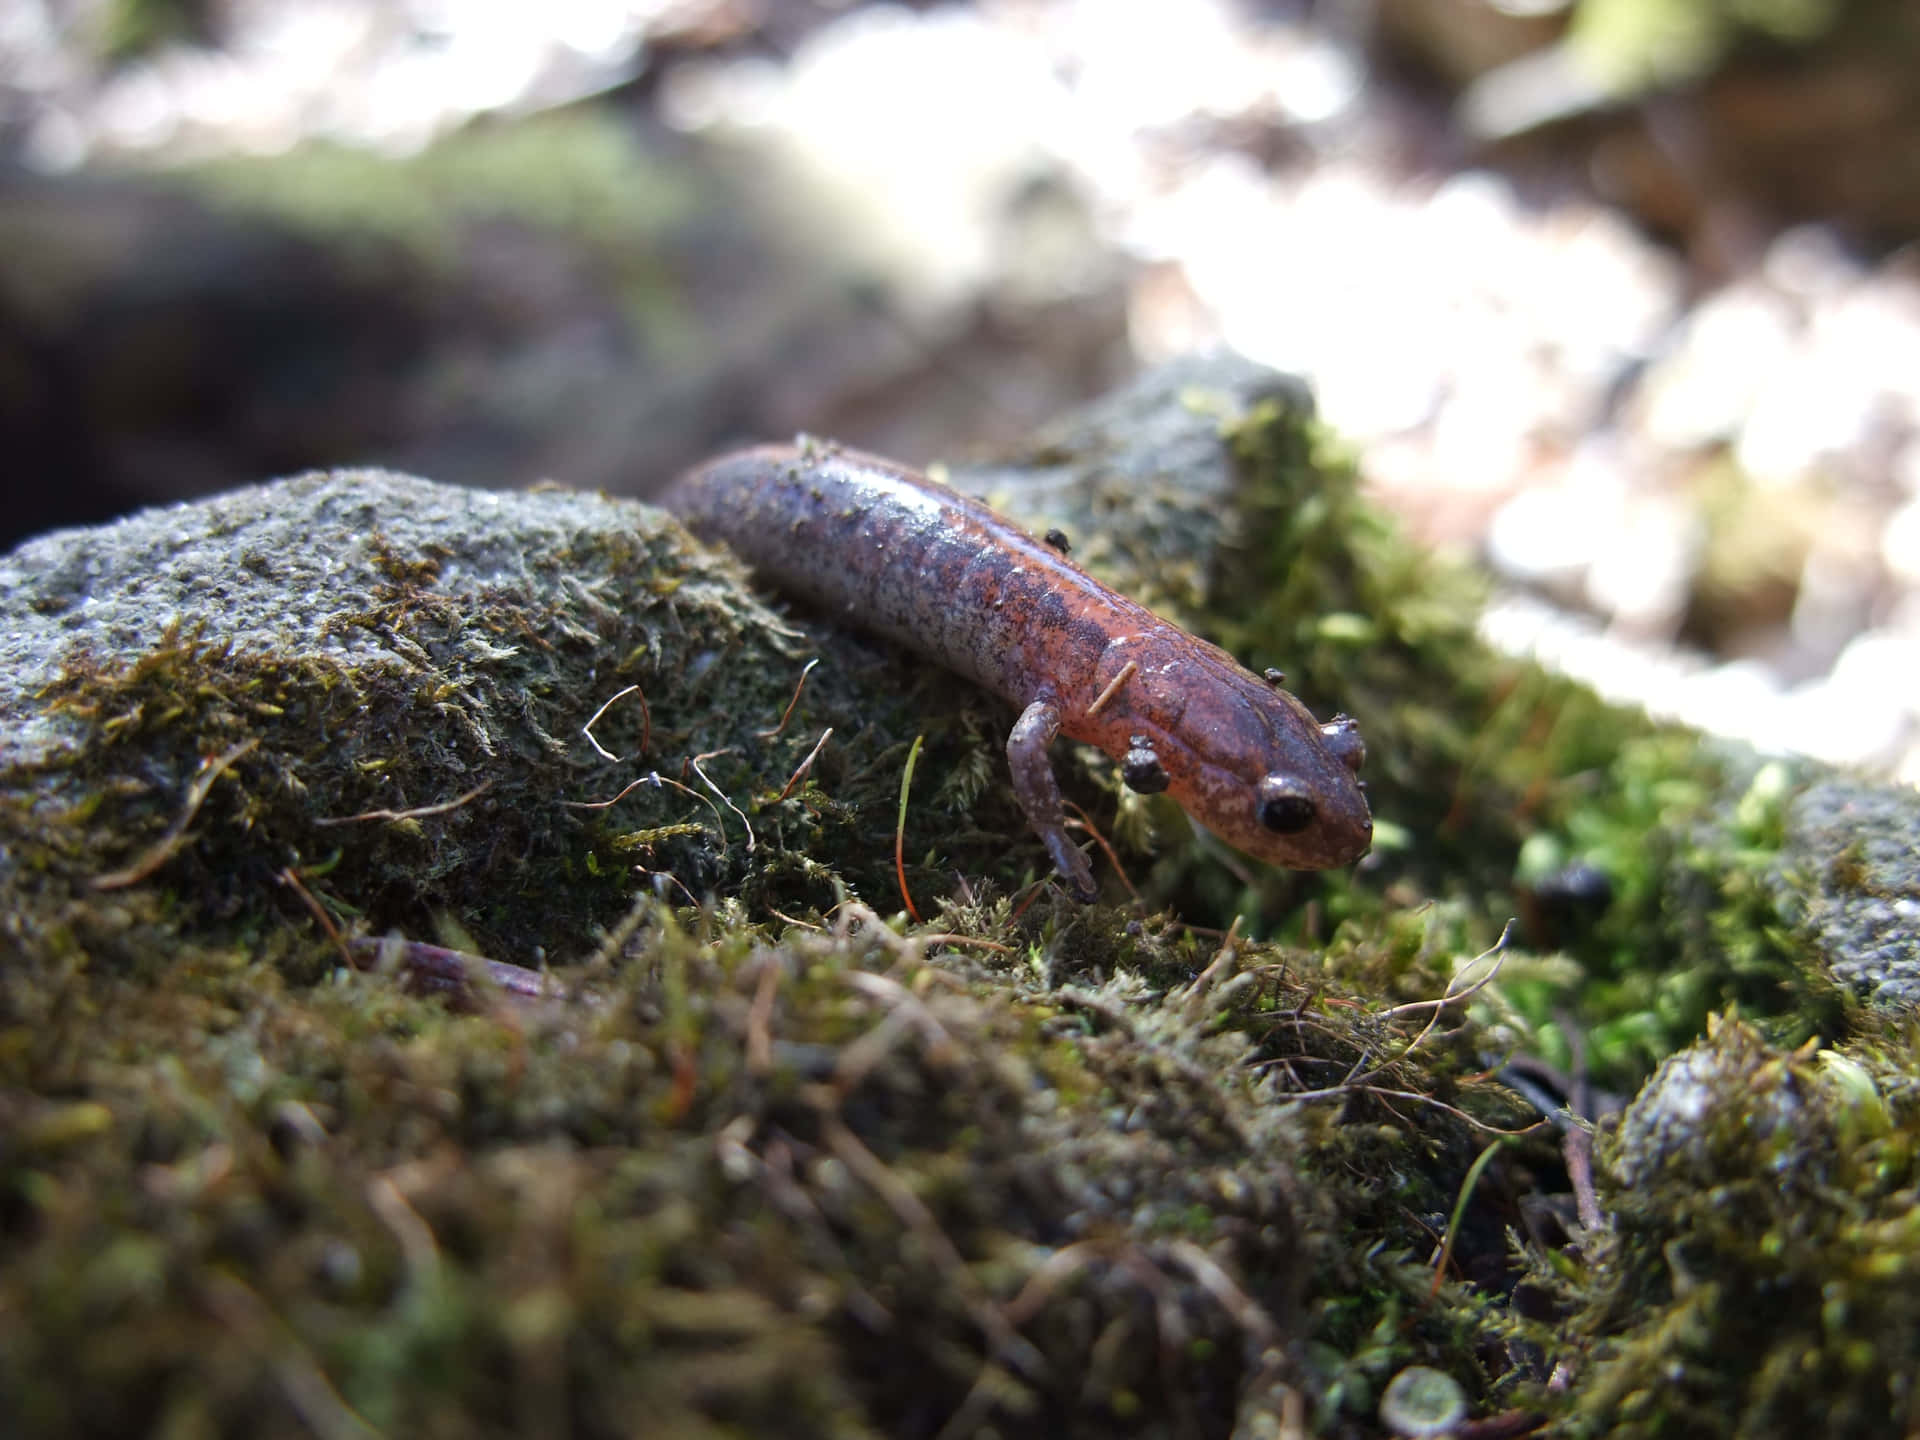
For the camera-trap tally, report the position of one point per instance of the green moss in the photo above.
(609, 1204)
(1491, 777)
(1468, 752)
(1703, 913)
(1757, 1275)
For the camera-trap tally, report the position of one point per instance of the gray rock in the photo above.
(284, 568)
(1856, 848)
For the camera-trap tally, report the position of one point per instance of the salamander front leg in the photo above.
(1039, 794)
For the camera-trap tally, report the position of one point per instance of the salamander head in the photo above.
(1248, 761)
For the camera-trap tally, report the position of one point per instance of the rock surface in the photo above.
(283, 569)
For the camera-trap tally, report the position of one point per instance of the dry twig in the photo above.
(417, 813)
(646, 723)
(705, 780)
(800, 771)
(777, 730)
(163, 849)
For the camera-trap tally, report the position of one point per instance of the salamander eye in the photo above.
(1285, 807)
(1343, 739)
(1057, 538)
(1141, 768)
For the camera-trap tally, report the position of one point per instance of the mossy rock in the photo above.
(757, 1152)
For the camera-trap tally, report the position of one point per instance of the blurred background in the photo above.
(1617, 297)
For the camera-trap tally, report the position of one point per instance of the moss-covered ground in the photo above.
(769, 1156)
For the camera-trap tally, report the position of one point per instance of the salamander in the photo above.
(890, 551)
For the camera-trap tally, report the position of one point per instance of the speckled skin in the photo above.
(893, 552)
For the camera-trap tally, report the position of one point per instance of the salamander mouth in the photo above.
(1324, 845)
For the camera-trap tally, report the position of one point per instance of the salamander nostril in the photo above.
(1285, 806)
